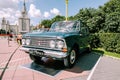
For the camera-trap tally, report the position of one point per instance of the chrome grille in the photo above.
(40, 42)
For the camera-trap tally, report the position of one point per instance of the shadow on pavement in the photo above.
(85, 62)
(51, 67)
(42, 68)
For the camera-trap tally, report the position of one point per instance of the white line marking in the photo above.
(91, 73)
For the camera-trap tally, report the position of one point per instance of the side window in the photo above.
(84, 30)
(76, 26)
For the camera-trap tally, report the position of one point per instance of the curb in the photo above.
(112, 57)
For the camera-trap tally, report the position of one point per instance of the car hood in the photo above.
(50, 34)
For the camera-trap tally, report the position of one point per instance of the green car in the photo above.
(63, 41)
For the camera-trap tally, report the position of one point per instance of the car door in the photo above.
(84, 37)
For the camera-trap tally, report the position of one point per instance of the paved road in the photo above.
(19, 67)
(107, 68)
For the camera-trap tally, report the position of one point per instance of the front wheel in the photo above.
(71, 59)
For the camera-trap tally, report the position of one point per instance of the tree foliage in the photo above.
(46, 23)
(104, 19)
(108, 41)
(2, 31)
(112, 16)
(112, 22)
(57, 18)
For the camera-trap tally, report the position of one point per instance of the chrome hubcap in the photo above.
(72, 57)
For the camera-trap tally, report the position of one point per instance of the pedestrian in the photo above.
(19, 38)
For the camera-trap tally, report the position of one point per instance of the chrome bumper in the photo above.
(47, 53)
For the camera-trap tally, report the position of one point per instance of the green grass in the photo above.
(104, 52)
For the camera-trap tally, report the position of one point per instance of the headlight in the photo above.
(23, 41)
(52, 44)
(27, 41)
(60, 44)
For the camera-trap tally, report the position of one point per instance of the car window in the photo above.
(65, 26)
(84, 30)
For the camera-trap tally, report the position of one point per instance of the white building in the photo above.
(24, 21)
(22, 27)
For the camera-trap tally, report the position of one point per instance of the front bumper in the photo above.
(47, 53)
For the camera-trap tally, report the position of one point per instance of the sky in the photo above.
(39, 10)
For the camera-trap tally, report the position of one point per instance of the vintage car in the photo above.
(63, 41)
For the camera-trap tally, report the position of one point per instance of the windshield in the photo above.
(64, 26)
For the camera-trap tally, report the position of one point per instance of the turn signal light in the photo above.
(64, 50)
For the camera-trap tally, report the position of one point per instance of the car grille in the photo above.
(40, 42)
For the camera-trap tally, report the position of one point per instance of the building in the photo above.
(22, 27)
(5, 25)
(24, 21)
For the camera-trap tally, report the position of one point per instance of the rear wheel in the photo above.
(71, 59)
(89, 49)
(35, 58)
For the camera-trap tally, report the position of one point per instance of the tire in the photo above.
(71, 59)
(35, 58)
(89, 50)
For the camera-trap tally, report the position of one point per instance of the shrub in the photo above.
(108, 41)
(94, 40)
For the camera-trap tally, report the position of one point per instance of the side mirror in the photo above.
(81, 34)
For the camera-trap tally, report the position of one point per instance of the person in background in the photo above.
(19, 38)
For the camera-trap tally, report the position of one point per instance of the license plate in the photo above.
(37, 52)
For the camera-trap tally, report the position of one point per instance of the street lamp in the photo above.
(66, 1)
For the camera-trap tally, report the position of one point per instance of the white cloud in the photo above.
(16, 1)
(46, 14)
(9, 4)
(10, 14)
(18, 14)
(34, 12)
(55, 11)
(9, 10)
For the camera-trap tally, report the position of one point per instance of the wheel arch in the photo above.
(76, 48)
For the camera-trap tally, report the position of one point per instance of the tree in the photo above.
(96, 22)
(84, 15)
(46, 23)
(112, 22)
(112, 16)
(71, 18)
(2, 31)
(111, 6)
(58, 18)
(104, 19)
(93, 18)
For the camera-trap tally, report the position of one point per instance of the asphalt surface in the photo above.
(16, 65)
(107, 69)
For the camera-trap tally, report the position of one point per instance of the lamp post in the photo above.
(66, 1)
